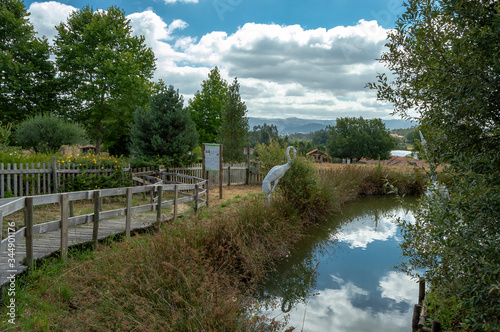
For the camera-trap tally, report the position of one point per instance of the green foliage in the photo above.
(234, 129)
(263, 134)
(207, 105)
(5, 133)
(105, 72)
(27, 76)
(90, 181)
(321, 137)
(454, 240)
(450, 79)
(165, 128)
(47, 133)
(355, 138)
(270, 155)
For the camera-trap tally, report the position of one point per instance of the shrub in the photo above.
(5, 133)
(47, 133)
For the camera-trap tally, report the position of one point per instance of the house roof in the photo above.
(316, 151)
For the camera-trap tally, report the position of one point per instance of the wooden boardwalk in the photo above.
(47, 243)
(22, 247)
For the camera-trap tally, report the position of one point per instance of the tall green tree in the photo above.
(207, 105)
(164, 127)
(443, 56)
(26, 74)
(234, 129)
(105, 70)
(355, 138)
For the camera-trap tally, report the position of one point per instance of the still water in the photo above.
(340, 277)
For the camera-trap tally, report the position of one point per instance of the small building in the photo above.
(88, 149)
(319, 156)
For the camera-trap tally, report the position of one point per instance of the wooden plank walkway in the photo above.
(47, 243)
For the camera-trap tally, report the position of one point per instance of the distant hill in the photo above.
(296, 125)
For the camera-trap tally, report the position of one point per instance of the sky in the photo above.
(293, 58)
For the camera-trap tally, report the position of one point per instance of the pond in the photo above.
(340, 277)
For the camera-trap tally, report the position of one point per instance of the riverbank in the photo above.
(196, 273)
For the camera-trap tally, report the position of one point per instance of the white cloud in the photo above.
(284, 71)
(399, 287)
(334, 310)
(46, 15)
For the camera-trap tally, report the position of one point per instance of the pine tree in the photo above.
(164, 128)
(234, 129)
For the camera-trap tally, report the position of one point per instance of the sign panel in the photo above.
(212, 157)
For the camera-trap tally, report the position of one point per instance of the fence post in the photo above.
(208, 187)
(128, 212)
(436, 326)
(421, 291)
(2, 189)
(97, 211)
(159, 189)
(176, 196)
(228, 175)
(28, 223)
(416, 316)
(196, 191)
(1, 227)
(64, 225)
(54, 174)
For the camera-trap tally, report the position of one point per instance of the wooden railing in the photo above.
(196, 191)
(17, 180)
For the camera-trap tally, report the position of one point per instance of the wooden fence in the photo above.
(196, 191)
(18, 180)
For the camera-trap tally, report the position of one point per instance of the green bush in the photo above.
(47, 133)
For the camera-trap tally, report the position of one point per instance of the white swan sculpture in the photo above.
(276, 173)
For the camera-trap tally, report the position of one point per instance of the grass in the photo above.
(198, 273)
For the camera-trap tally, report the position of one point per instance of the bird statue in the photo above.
(276, 173)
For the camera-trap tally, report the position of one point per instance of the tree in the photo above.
(320, 137)
(207, 105)
(105, 72)
(164, 128)
(354, 138)
(263, 134)
(444, 59)
(46, 133)
(26, 74)
(234, 129)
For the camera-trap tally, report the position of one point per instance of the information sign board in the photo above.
(212, 157)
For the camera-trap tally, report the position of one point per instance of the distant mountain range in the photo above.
(296, 125)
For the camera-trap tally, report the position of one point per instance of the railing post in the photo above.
(196, 192)
(159, 189)
(436, 326)
(97, 211)
(208, 189)
(54, 174)
(128, 216)
(1, 227)
(421, 291)
(176, 196)
(28, 223)
(64, 225)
